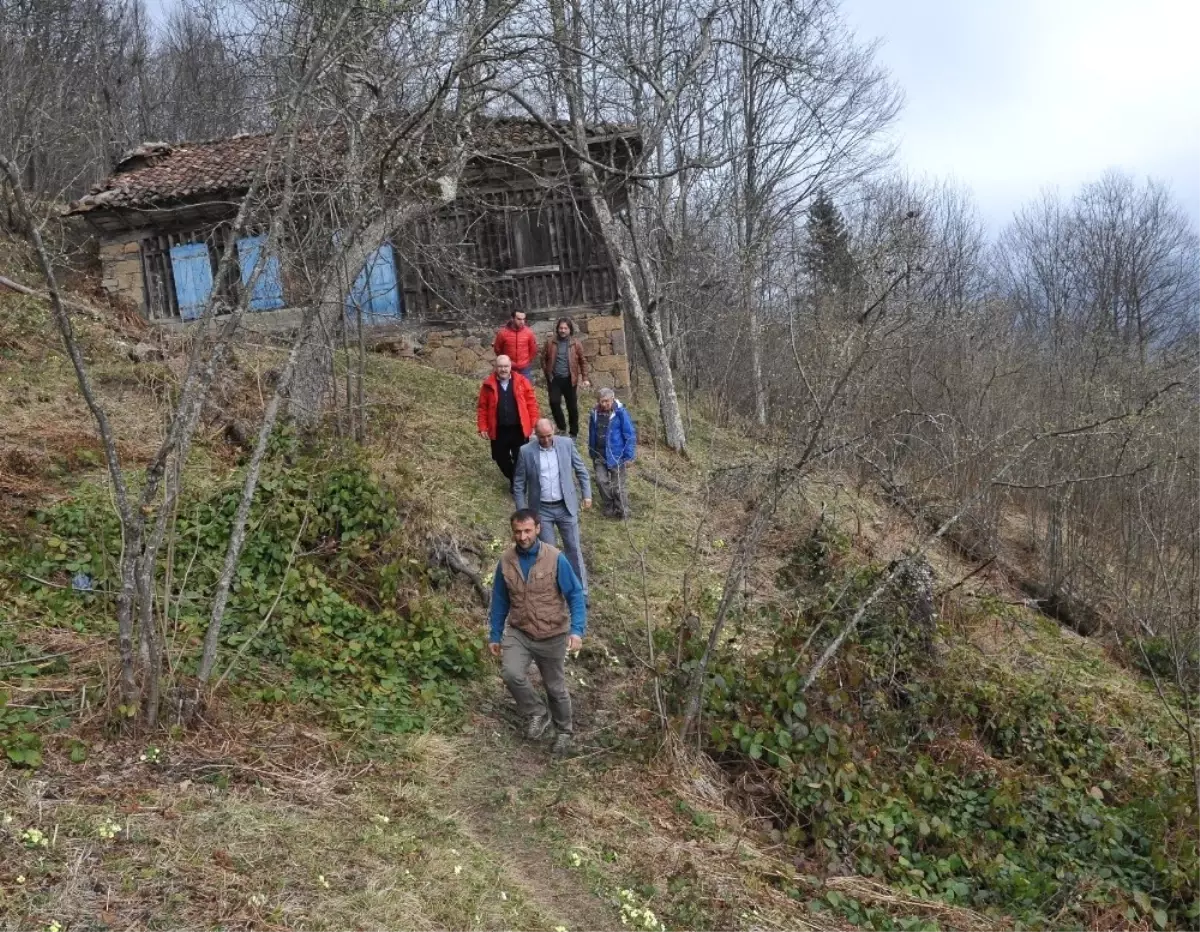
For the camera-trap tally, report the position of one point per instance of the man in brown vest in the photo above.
(539, 594)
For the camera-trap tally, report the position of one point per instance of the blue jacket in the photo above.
(568, 584)
(621, 443)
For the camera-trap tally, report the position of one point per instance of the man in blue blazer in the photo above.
(542, 483)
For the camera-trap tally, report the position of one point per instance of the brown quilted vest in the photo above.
(535, 605)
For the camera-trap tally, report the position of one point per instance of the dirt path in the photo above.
(504, 792)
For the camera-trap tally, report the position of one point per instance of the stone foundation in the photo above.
(121, 265)
(468, 350)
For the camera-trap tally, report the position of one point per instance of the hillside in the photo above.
(1005, 773)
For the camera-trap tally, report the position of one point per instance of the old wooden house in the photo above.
(517, 236)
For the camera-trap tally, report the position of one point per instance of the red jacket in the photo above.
(520, 346)
(489, 396)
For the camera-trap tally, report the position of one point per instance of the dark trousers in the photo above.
(506, 447)
(560, 388)
(613, 485)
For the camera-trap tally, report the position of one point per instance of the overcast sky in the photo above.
(1014, 96)
(1008, 97)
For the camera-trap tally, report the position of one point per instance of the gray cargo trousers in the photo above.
(550, 655)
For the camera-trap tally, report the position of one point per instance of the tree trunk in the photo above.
(650, 338)
(756, 365)
(645, 319)
(237, 534)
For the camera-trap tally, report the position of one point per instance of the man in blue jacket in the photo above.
(612, 444)
(541, 598)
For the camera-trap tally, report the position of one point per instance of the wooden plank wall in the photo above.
(158, 276)
(473, 263)
(475, 260)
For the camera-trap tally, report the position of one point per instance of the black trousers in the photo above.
(560, 388)
(506, 448)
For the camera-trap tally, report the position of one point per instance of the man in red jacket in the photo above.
(505, 414)
(517, 342)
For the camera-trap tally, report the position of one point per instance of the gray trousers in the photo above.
(613, 487)
(557, 516)
(550, 655)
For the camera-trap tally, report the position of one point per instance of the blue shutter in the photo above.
(375, 291)
(268, 289)
(193, 278)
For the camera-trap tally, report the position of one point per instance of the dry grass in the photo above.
(217, 834)
(900, 904)
(50, 441)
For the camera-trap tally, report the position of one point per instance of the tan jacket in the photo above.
(536, 606)
(577, 361)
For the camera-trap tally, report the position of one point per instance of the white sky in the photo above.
(1008, 98)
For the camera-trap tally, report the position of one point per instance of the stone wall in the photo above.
(468, 350)
(121, 265)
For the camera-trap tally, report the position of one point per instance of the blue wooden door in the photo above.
(268, 289)
(193, 278)
(375, 291)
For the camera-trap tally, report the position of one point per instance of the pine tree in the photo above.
(827, 254)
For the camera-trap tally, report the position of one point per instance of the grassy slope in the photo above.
(234, 826)
(267, 823)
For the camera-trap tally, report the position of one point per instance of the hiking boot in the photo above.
(537, 726)
(562, 745)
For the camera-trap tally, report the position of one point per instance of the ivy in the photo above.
(1045, 819)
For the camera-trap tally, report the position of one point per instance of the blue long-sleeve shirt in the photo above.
(568, 585)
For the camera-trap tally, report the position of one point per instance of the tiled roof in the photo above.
(156, 174)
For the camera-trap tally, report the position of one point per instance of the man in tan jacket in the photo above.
(541, 598)
(566, 371)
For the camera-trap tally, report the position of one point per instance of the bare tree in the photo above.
(395, 171)
(583, 55)
(1118, 263)
(142, 537)
(805, 106)
(202, 88)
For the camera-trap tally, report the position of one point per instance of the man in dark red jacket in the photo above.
(505, 414)
(516, 341)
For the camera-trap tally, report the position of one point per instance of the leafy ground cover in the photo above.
(1039, 784)
(361, 764)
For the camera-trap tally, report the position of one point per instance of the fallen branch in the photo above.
(86, 309)
(662, 481)
(56, 585)
(34, 661)
(872, 891)
(446, 551)
(971, 575)
(972, 542)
